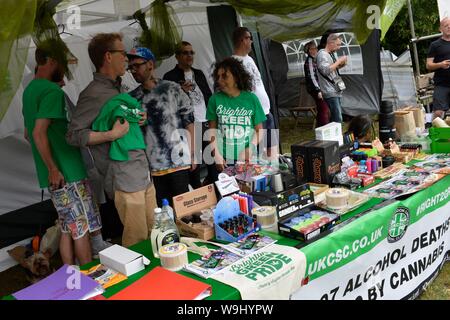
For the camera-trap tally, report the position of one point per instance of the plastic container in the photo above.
(166, 206)
(440, 140)
(164, 231)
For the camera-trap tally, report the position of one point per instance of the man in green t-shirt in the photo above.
(59, 166)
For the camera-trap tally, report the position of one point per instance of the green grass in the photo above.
(439, 289)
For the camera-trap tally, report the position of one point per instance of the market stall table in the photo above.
(384, 226)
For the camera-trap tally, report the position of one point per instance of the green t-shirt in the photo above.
(236, 119)
(122, 106)
(43, 99)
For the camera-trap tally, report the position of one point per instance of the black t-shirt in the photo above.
(440, 51)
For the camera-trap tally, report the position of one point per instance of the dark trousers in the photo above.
(112, 227)
(194, 176)
(171, 185)
(323, 111)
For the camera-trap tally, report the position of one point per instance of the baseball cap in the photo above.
(141, 52)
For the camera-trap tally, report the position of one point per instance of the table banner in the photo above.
(274, 272)
(390, 253)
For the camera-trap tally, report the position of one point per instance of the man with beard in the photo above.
(59, 166)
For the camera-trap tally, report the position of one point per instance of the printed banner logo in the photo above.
(398, 224)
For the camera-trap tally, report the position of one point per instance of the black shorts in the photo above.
(271, 136)
(441, 98)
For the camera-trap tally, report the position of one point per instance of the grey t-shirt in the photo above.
(127, 176)
(324, 61)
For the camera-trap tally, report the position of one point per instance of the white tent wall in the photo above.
(18, 180)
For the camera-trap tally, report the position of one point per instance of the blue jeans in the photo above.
(335, 108)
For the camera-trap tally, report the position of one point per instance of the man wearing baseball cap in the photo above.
(169, 134)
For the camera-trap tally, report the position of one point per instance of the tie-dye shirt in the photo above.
(169, 112)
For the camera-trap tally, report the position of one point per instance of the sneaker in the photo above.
(98, 248)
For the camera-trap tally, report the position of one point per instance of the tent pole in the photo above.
(413, 36)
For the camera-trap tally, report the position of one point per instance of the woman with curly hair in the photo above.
(234, 113)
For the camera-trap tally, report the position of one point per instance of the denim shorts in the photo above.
(77, 210)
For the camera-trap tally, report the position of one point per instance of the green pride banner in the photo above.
(389, 253)
(274, 273)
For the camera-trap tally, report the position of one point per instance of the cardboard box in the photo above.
(325, 161)
(366, 179)
(123, 260)
(330, 132)
(318, 191)
(194, 201)
(295, 204)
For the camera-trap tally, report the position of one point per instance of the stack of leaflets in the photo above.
(104, 276)
(222, 258)
(406, 182)
(250, 244)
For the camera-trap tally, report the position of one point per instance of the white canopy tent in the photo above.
(18, 180)
(19, 187)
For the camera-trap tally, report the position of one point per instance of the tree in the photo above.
(426, 22)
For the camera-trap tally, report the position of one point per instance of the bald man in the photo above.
(438, 60)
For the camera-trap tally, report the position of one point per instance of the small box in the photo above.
(330, 132)
(194, 201)
(318, 190)
(293, 209)
(123, 260)
(352, 171)
(325, 161)
(403, 157)
(260, 183)
(371, 152)
(301, 161)
(366, 179)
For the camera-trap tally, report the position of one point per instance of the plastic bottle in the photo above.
(155, 232)
(369, 165)
(164, 231)
(362, 166)
(166, 206)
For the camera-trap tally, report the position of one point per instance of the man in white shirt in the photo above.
(242, 42)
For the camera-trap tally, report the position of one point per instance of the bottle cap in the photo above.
(157, 210)
(165, 202)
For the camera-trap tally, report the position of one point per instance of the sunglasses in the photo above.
(135, 66)
(123, 52)
(188, 53)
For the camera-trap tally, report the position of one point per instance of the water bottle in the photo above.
(155, 232)
(164, 231)
(166, 206)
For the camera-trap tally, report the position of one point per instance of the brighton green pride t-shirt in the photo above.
(43, 99)
(236, 119)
